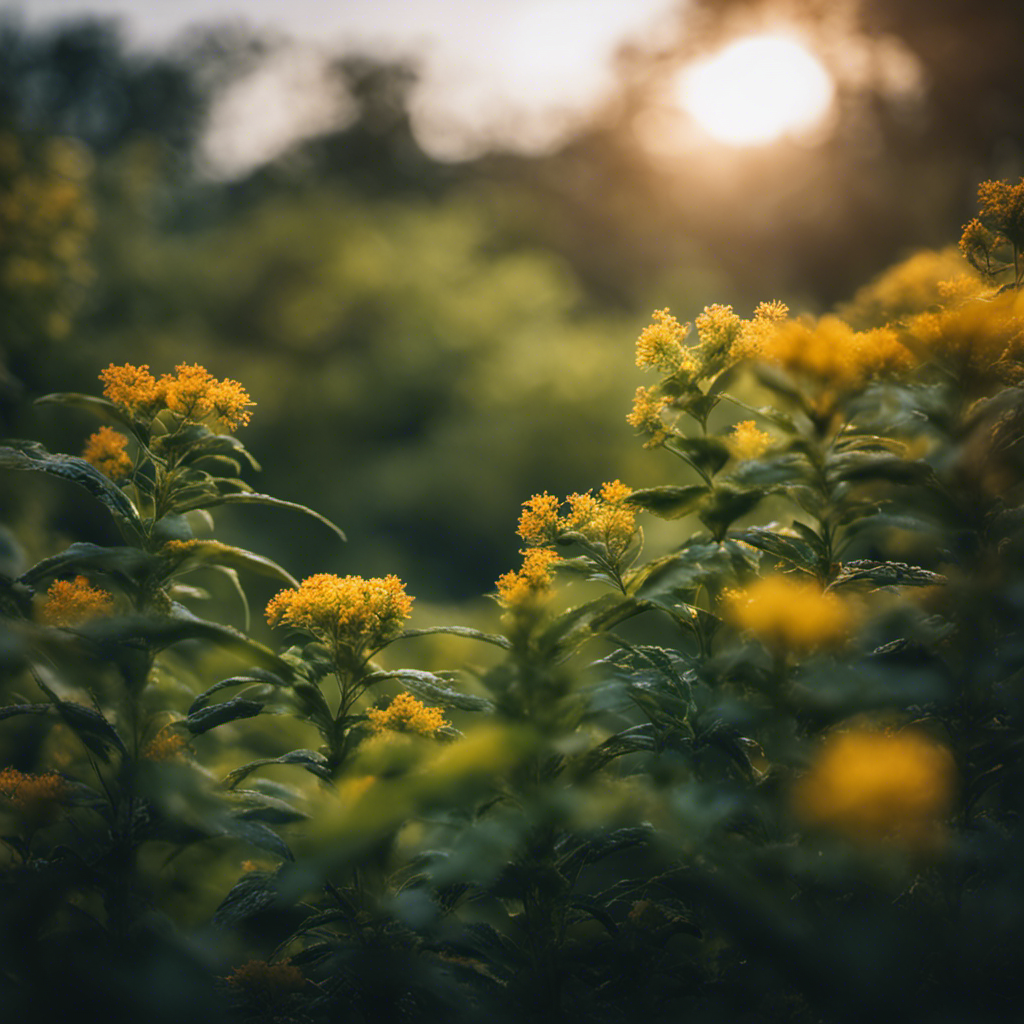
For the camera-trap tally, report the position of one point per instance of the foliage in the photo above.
(771, 773)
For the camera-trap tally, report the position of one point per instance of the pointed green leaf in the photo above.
(670, 502)
(253, 498)
(29, 455)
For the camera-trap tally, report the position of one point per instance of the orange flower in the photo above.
(107, 450)
(70, 602)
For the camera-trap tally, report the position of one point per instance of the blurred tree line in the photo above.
(430, 342)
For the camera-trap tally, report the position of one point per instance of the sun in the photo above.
(756, 90)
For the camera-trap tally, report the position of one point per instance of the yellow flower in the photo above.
(133, 388)
(718, 327)
(37, 799)
(345, 611)
(531, 583)
(165, 746)
(69, 603)
(1002, 206)
(876, 786)
(195, 394)
(407, 714)
(646, 415)
(790, 614)
(538, 522)
(660, 346)
(107, 450)
(605, 518)
(747, 442)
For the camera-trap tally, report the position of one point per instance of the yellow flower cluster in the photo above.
(165, 746)
(407, 714)
(70, 602)
(266, 978)
(604, 518)
(828, 352)
(1002, 206)
(747, 442)
(718, 327)
(344, 611)
(877, 786)
(981, 339)
(648, 406)
(107, 450)
(36, 797)
(660, 345)
(531, 582)
(790, 614)
(191, 392)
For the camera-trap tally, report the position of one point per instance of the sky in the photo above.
(506, 72)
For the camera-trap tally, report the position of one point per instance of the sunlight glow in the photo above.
(756, 90)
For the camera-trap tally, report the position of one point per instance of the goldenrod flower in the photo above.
(107, 450)
(538, 522)
(191, 392)
(646, 415)
(165, 746)
(605, 518)
(133, 388)
(344, 611)
(531, 582)
(1002, 206)
(790, 614)
(718, 327)
(407, 714)
(773, 312)
(747, 442)
(268, 979)
(875, 786)
(660, 346)
(37, 798)
(71, 602)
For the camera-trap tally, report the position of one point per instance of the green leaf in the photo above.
(207, 552)
(218, 714)
(888, 574)
(669, 502)
(433, 688)
(252, 676)
(725, 505)
(89, 403)
(127, 565)
(313, 762)
(89, 725)
(793, 550)
(28, 455)
(464, 631)
(160, 631)
(252, 498)
(709, 454)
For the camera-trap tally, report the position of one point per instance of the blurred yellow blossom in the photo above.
(747, 442)
(660, 345)
(530, 583)
(344, 611)
(646, 415)
(37, 798)
(790, 614)
(407, 714)
(70, 602)
(872, 786)
(107, 450)
(167, 745)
